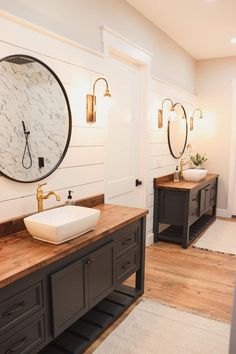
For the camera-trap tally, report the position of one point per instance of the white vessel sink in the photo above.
(194, 174)
(61, 224)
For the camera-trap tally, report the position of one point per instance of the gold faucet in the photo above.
(182, 164)
(40, 196)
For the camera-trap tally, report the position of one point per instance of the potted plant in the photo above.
(198, 160)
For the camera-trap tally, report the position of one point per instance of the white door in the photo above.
(124, 160)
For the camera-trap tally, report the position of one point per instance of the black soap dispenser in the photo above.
(69, 199)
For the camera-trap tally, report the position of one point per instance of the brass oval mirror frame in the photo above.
(31, 58)
(186, 135)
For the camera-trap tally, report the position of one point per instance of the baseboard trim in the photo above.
(224, 213)
(149, 239)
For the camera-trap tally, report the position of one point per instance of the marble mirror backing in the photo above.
(35, 119)
(178, 131)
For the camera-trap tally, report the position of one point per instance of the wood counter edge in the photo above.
(73, 246)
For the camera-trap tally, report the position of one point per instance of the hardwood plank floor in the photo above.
(188, 279)
(195, 280)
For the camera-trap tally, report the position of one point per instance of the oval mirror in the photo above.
(35, 119)
(177, 131)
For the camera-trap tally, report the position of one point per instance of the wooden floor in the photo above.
(195, 280)
(189, 279)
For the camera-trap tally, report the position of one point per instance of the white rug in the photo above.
(152, 328)
(220, 237)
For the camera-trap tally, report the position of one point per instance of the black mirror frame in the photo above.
(186, 135)
(69, 118)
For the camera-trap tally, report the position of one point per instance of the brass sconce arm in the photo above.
(91, 101)
(192, 117)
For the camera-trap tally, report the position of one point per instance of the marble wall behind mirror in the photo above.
(31, 93)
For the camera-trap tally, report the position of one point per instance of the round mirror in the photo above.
(35, 119)
(177, 131)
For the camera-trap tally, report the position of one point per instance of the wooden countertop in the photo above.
(21, 255)
(182, 185)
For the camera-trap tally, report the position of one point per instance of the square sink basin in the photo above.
(194, 174)
(61, 224)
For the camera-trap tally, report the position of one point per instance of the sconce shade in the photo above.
(91, 101)
(107, 93)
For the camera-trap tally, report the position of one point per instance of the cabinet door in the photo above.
(100, 273)
(206, 198)
(68, 295)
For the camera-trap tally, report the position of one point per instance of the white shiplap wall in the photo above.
(160, 161)
(82, 170)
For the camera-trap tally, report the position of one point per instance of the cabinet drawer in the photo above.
(127, 265)
(128, 239)
(20, 306)
(26, 340)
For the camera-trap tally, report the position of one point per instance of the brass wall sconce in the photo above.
(160, 112)
(192, 118)
(91, 101)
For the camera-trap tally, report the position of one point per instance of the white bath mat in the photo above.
(220, 237)
(152, 328)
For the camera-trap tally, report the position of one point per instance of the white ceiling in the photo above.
(202, 27)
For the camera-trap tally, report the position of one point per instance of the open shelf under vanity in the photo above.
(78, 337)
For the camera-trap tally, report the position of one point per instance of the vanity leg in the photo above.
(186, 227)
(185, 241)
(155, 216)
(214, 206)
(139, 279)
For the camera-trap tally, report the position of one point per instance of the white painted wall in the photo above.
(214, 88)
(81, 20)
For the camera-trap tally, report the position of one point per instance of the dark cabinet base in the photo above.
(77, 338)
(188, 207)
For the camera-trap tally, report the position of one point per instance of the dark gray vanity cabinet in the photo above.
(185, 208)
(49, 305)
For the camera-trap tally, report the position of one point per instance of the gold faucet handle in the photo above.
(39, 188)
